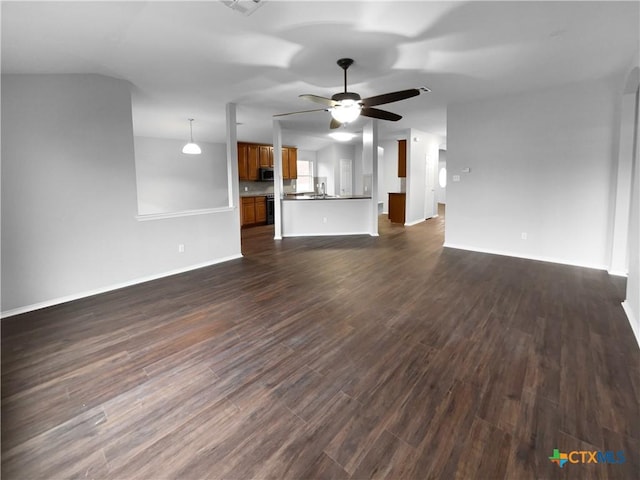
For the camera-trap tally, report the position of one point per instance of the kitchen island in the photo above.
(316, 215)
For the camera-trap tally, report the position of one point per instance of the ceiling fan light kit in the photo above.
(347, 111)
(191, 148)
(345, 107)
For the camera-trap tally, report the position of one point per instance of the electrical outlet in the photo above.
(523, 235)
(181, 248)
(246, 189)
(324, 219)
(456, 178)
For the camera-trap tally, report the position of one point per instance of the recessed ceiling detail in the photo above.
(188, 59)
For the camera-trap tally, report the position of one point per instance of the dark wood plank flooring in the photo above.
(352, 357)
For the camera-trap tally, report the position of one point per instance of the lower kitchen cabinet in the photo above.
(254, 211)
(397, 205)
(261, 210)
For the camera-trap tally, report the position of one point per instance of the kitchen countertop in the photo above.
(326, 197)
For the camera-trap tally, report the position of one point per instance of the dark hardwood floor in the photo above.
(352, 357)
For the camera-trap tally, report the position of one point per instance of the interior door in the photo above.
(430, 188)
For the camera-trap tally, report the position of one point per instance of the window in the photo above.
(305, 176)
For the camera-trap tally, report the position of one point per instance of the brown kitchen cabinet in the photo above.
(248, 212)
(253, 165)
(248, 161)
(292, 162)
(266, 156)
(261, 210)
(289, 163)
(253, 156)
(397, 205)
(285, 163)
(402, 158)
(243, 166)
(254, 211)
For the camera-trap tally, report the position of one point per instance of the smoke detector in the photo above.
(245, 7)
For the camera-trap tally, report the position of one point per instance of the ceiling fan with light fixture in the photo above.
(345, 107)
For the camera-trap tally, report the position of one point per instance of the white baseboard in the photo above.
(632, 320)
(517, 255)
(109, 288)
(415, 222)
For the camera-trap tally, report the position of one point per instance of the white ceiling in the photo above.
(189, 59)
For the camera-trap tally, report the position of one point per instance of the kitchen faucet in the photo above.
(324, 191)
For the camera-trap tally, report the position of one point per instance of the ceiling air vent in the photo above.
(245, 7)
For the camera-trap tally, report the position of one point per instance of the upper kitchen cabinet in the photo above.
(293, 162)
(253, 160)
(248, 161)
(252, 157)
(266, 156)
(402, 158)
(243, 166)
(289, 163)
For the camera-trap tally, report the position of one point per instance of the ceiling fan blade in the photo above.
(301, 111)
(321, 100)
(390, 97)
(381, 114)
(334, 123)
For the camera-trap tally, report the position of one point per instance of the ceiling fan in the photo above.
(346, 106)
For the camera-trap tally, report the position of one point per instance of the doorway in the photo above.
(430, 207)
(346, 177)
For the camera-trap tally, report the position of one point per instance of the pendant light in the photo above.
(191, 148)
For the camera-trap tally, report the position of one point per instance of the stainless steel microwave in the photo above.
(266, 174)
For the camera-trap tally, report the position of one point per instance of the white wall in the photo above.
(171, 181)
(540, 163)
(69, 203)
